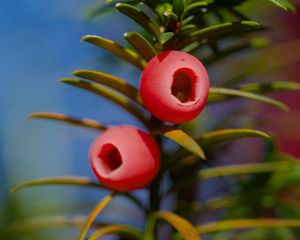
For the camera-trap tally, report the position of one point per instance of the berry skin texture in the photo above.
(174, 86)
(124, 158)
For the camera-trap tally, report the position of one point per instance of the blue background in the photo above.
(40, 43)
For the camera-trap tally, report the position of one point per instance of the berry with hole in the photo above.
(124, 158)
(174, 86)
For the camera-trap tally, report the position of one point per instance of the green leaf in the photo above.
(286, 5)
(247, 223)
(237, 169)
(189, 27)
(141, 44)
(95, 212)
(84, 122)
(76, 181)
(184, 227)
(149, 231)
(194, 6)
(140, 17)
(73, 181)
(116, 49)
(159, 10)
(164, 37)
(188, 20)
(178, 8)
(210, 138)
(106, 93)
(216, 136)
(217, 94)
(171, 20)
(184, 39)
(122, 230)
(183, 140)
(269, 87)
(110, 81)
(245, 168)
(170, 16)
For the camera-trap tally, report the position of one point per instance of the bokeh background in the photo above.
(39, 44)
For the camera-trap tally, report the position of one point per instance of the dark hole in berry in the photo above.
(110, 157)
(183, 86)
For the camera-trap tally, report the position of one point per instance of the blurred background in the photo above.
(40, 43)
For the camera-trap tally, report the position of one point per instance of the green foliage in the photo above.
(258, 189)
(185, 228)
(121, 230)
(108, 94)
(141, 45)
(217, 94)
(91, 218)
(110, 81)
(70, 120)
(182, 139)
(247, 223)
(116, 49)
(218, 31)
(140, 17)
(286, 5)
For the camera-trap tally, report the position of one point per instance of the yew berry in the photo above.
(124, 158)
(174, 86)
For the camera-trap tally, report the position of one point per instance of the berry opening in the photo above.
(183, 85)
(110, 157)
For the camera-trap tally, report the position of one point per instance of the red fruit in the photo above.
(124, 158)
(174, 86)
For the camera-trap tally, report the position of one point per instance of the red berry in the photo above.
(124, 158)
(174, 86)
